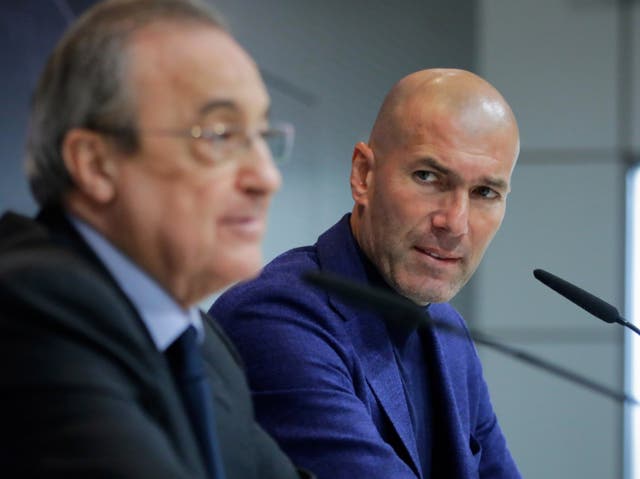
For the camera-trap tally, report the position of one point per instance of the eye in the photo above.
(425, 176)
(265, 133)
(229, 136)
(221, 133)
(487, 193)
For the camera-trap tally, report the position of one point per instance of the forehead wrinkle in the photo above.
(496, 183)
(161, 63)
(436, 124)
(436, 165)
(235, 111)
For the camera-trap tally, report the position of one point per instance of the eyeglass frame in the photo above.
(216, 133)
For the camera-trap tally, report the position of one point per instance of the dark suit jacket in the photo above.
(83, 390)
(326, 384)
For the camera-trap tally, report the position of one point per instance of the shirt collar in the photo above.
(163, 317)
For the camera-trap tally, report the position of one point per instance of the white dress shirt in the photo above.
(163, 317)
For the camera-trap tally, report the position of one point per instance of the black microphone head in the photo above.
(579, 296)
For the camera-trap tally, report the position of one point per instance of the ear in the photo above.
(362, 163)
(90, 163)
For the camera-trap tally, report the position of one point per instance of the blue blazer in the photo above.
(327, 387)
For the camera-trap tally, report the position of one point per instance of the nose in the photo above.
(259, 174)
(452, 215)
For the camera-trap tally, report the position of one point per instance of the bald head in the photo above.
(439, 99)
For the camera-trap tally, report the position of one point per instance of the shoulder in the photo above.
(281, 281)
(44, 271)
(287, 267)
(279, 287)
(281, 326)
(63, 301)
(32, 259)
(19, 231)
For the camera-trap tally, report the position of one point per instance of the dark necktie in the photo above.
(188, 369)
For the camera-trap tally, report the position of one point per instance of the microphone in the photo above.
(587, 301)
(407, 311)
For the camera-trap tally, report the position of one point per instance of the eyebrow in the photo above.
(214, 105)
(217, 105)
(496, 183)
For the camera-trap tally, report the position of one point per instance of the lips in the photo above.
(248, 226)
(439, 255)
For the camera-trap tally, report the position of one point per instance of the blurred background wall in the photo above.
(571, 71)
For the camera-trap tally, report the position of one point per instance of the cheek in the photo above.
(394, 206)
(189, 210)
(220, 248)
(145, 201)
(203, 205)
(229, 260)
(399, 223)
(484, 229)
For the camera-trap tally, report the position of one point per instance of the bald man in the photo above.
(345, 392)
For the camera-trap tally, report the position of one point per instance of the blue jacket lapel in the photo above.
(452, 452)
(337, 253)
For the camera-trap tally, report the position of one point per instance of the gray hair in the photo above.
(84, 84)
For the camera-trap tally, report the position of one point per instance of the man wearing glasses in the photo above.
(149, 154)
(349, 392)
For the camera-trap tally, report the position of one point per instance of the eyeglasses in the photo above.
(227, 142)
